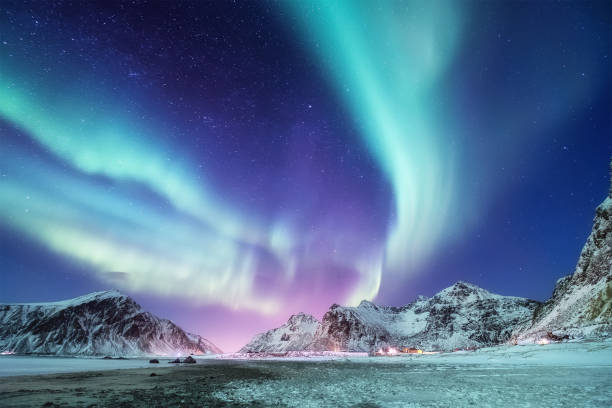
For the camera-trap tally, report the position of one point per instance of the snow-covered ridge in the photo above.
(581, 304)
(296, 334)
(466, 316)
(461, 316)
(100, 323)
(105, 294)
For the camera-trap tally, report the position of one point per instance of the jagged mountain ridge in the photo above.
(581, 304)
(464, 315)
(460, 316)
(296, 334)
(100, 323)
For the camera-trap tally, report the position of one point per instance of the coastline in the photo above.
(564, 374)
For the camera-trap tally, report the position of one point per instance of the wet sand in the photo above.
(376, 383)
(185, 385)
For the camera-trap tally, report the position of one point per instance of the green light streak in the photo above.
(384, 60)
(96, 137)
(201, 249)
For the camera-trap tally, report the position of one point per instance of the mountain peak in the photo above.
(294, 335)
(464, 291)
(437, 323)
(106, 322)
(97, 296)
(301, 317)
(93, 296)
(465, 285)
(366, 304)
(106, 293)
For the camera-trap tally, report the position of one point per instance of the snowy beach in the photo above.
(565, 374)
(31, 365)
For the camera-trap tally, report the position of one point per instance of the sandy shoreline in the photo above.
(217, 383)
(171, 386)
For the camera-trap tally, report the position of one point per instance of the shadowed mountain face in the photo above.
(101, 323)
(460, 316)
(296, 334)
(581, 304)
(465, 315)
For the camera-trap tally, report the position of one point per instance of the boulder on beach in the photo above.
(154, 361)
(189, 360)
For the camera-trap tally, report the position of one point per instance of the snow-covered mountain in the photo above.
(295, 335)
(465, 315)
(460, 316)
(100, 323)
(581, 304)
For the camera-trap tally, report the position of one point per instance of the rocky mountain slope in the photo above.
(101, 323)
(581, 304)
(460, 316)
(465, 315)
(294, 335)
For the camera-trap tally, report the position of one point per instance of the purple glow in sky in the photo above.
(229, 165)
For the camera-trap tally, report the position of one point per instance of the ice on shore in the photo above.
(567, 374)
(579, 354)
(567, 353)
(34, 365)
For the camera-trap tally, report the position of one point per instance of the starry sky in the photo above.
(228, 164)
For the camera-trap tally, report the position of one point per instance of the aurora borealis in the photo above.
(384, 77)
(230, 164)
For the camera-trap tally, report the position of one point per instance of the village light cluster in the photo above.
(392, 351)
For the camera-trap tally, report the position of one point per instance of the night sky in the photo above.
(229, 164)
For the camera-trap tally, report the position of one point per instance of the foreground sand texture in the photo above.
(173, 386)
(572, 375)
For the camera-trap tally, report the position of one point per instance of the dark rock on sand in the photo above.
(189, 360)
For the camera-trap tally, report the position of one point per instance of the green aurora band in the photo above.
(384, 63)
(203, 249)
(86, 207)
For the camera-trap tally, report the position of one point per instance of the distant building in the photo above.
(411, 350)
